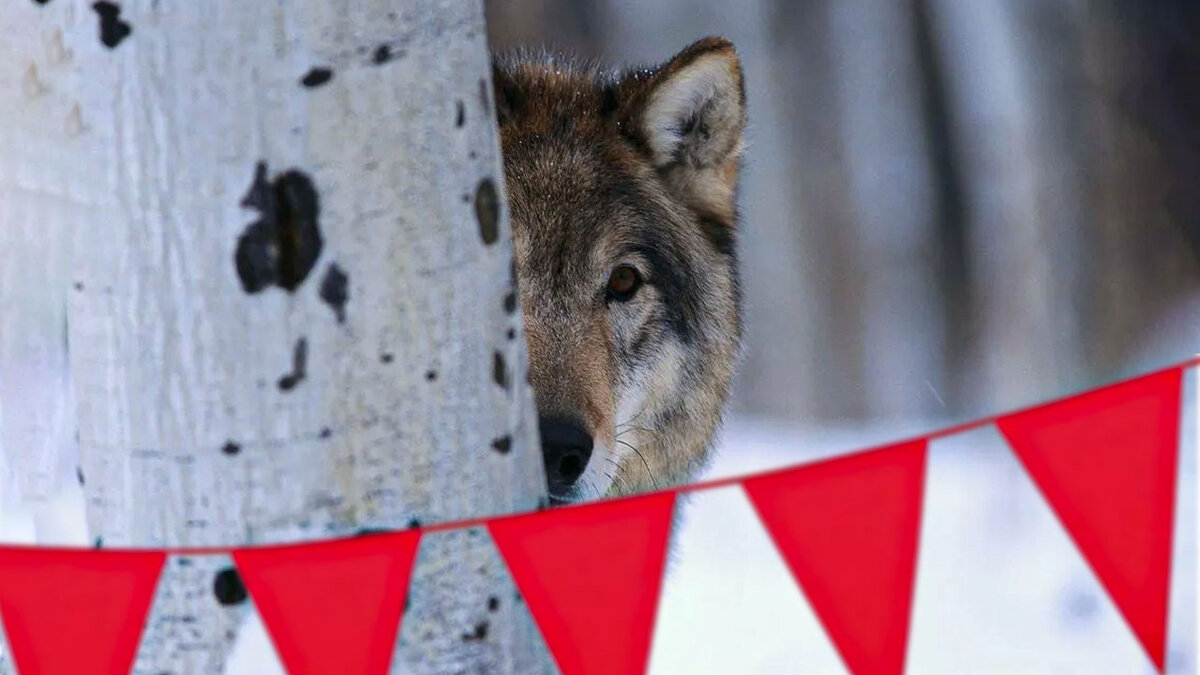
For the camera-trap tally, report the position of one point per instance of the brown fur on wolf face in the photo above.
(621, 190)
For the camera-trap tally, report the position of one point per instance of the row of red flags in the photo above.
(848, 529)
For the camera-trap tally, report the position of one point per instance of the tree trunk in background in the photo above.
(862, 195)
(354, 368)
(1142, 67)
(569, 26)
(1021, 203)
(787, 372)
(892, 231)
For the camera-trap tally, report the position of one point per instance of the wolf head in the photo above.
(621, 190)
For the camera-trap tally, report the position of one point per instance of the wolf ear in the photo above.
(691, 116)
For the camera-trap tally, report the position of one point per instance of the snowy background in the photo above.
(1000, 587)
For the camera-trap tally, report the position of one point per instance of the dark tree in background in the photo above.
(1144, 63)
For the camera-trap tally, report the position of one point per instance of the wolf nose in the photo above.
(566, 448)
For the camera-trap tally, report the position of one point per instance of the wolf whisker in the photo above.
(633, 419)
(653, 480)
(622, 431)
(615, 475)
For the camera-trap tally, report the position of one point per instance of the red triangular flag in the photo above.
(334, 606)
(591, 576)
(75, 611)
(1105, 461)
(848, 529)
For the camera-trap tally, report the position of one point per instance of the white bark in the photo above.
(122, 177)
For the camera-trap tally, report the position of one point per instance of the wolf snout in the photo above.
(566, 449)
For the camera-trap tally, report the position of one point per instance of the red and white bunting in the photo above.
(75, 612)
(848, 530)
(332, 607)
(591, 576)
(1106, 462)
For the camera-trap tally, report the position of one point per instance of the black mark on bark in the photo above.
(282, 246)
(499, 370)
(502, 445)
(381, 55)
(335, 291)
(228, 587)
(112, 28)
(230, 448)
(480, 634)
(299, 366)
(487, 211)
(316, 77)
(460, 114)
(493, 603)
(510, 302)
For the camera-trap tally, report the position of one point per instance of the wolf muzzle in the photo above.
(566, 449)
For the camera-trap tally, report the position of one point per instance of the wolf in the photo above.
(622, 189)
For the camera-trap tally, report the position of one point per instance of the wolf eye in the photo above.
(623, 283)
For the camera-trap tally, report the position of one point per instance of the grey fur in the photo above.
(635, 167)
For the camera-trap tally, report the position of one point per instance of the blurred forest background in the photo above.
(949, 208)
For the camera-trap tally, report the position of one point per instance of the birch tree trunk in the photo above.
(254, 257)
